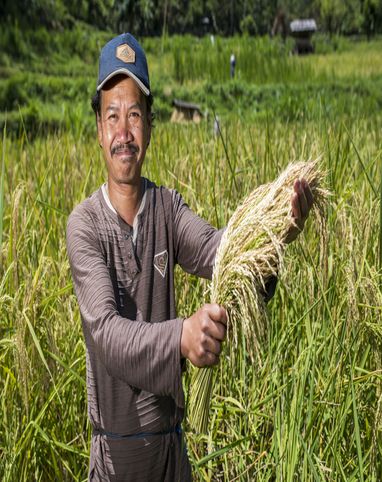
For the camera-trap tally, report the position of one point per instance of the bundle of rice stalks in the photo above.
(250, 253)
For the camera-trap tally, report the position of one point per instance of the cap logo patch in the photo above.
(160, 262)
(125, 53)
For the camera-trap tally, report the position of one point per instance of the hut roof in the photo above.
(303, 25)
(186, 105)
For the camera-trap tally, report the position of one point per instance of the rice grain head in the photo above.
(251, 252)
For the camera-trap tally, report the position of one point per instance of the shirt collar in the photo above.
(140, 210)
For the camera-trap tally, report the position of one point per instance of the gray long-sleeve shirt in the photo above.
(124, 282)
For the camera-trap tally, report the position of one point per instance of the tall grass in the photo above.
(306, 413)
(2, 187)
(259, 60)
(314, 409)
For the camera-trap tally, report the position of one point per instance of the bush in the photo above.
(248, 26)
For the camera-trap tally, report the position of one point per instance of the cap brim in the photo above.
(140, 84)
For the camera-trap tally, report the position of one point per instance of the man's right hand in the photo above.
(202, 335)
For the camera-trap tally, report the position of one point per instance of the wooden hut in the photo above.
(302, 31)
(186, 111)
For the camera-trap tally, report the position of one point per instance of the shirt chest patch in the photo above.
(161, 262)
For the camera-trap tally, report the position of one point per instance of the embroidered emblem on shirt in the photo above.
(160, 262)
(125, 53)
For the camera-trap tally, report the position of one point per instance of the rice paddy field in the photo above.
(311, 409)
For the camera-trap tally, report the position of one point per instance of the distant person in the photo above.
(124, 242)
(216, 126)
(232, 62)
(280, 25)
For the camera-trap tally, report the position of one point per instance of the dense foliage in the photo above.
(152, 17)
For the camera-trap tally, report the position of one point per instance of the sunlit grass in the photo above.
(363, 61)
(259, 60)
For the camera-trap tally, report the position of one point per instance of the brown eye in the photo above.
(135, 117)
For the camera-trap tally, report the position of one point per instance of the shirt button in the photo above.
(126, 236)
(129, 255)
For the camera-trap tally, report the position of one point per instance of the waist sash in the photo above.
(100, 431)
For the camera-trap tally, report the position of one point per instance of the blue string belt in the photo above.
(100, 431)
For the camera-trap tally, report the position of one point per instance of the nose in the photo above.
(124, 130)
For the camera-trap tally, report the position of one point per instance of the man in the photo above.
(232, 64)
(123, 244)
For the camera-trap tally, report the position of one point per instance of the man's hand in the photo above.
(301, 203)
(202, 335)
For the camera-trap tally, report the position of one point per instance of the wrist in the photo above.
(183, 340)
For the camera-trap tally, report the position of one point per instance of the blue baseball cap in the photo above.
(124, 55)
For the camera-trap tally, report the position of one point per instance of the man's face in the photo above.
(124, 129)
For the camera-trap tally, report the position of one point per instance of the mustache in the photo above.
(121, 147)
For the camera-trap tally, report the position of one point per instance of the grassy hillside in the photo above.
(47, 80)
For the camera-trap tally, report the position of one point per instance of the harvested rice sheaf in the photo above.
(250, 253)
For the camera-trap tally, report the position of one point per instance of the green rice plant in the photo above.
(250, 253)
(380, 218)
(326, 313)
(2, 188)
(259, 60)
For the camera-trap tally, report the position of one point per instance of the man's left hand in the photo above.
(301, 203)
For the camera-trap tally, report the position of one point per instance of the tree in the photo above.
(372, 16)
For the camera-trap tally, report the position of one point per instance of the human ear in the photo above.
(99, 130)
(149, 127)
